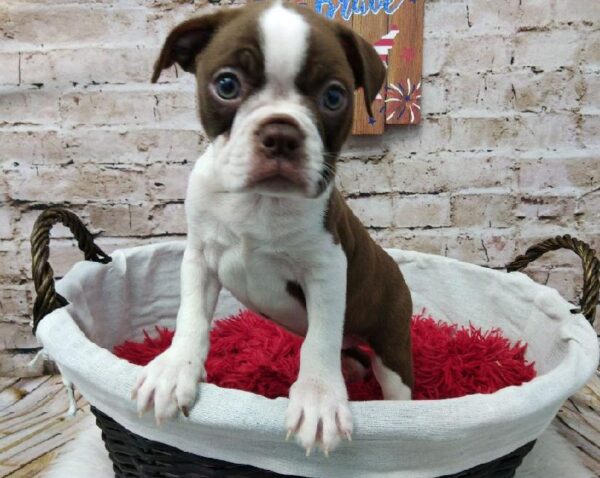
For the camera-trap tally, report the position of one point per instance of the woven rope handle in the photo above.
(47, 299)
(591, 268)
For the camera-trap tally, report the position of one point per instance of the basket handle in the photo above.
(591, 268)
(47, 299)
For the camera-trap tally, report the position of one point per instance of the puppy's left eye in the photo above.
(228, 86)
(334, 97)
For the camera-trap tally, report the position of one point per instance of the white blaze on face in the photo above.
(284, 38)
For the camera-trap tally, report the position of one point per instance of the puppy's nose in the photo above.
(280, 139)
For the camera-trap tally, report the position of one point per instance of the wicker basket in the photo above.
(136, 456)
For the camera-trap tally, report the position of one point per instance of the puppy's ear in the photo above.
(369, 71)
(188, 39)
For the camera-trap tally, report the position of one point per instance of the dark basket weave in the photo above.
(135, 456)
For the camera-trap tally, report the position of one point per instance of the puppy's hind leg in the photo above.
(391, 383)
(392, 366)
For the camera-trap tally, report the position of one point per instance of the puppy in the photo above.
(275, 96)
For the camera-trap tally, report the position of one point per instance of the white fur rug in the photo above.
(552, 457)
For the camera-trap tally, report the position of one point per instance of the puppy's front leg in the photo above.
(318, 411)
(171, 379)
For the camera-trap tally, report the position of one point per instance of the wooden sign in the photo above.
(395, 28)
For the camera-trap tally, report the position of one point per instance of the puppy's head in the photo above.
(275, 93)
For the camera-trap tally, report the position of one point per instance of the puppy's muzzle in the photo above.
(280, 155)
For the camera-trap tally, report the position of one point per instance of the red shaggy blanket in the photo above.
(251, 353)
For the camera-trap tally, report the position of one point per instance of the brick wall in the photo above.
(508, 152)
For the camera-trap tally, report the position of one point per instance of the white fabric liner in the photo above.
(140, 288)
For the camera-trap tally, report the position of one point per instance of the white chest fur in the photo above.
(258, 245)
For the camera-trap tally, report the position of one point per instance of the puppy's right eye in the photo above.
(227, 86)
(333, 98)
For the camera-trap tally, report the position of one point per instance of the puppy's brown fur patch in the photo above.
(378, 302)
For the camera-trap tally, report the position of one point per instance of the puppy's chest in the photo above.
(264, 280)
(262, 252)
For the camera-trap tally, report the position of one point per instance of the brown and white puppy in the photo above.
(275, 88)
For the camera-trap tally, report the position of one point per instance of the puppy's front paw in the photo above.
(318, 414)
(170, 381)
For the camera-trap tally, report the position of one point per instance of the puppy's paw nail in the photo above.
(185, 411)
(288, 434)
(348, 436)
(326, 452)
(308, 450)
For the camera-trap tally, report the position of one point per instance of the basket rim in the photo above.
(401, 257)
(60, 333)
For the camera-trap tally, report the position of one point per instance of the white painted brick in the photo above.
(178, 108)
(169, 219)
(554, 209)
(591, 130)
(33, 147)
(520, 90)
(590, 56)
(109, 107)
(591, 95)
(434, 100)
(476, 131)
(6, 219)
(577, 11)
(117, 107)
(16, 335)
(483, 91)
(121, 219)
(86, 65)
(535, 13)
(9, 68)
(434, 50)
(484, 210)
(432, 241)
(73, 24)
(28, 105)
(366, 147)
(373, 211)
(445, 18)
(558, 173)
(16, 364)
(488, 15)
(125, 145)
(76, 184)
(588, 208)
(500, 247)
(168, 181)
(492, 248)
(480, 53)
(545, 91)
(445, 173)
(12, 264)
(15, 301)
(356, 177)
(421, 210)
(547, 50)
(433, 134)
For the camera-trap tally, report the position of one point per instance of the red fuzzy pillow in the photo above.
(251, 353)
